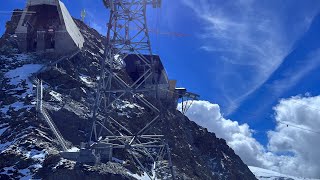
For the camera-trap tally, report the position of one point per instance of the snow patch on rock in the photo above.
(57, 96)
(87, 80)
(20, 74)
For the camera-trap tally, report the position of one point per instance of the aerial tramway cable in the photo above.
(297, 127)
(289, 125)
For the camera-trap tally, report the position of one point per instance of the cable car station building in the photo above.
(47, 26)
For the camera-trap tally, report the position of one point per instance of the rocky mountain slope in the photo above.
(28, 148)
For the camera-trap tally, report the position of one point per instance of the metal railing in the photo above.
(46, 115)
(39, 95)
(54, 129)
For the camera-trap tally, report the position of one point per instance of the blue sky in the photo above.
(244, 55)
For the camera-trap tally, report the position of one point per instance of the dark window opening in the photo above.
(49, 40)
(136, 68)
(34, 44)
(46, 19)
(31, 38)
(45, 16)
(52, 44)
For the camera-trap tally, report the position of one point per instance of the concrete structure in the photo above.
(96, 153)
(103, 151)
(136, 68)
(166, 87)
(47, 26)
(85, 156)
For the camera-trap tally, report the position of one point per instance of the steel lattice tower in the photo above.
(128, 34)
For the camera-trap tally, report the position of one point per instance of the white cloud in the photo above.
(300, 147)
(253, 36)
(303, 114)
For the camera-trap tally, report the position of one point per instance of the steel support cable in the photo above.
(282, 122)
(298, 127)
(11, 12)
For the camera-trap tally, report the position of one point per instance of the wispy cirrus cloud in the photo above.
(250, 39)
(94, 22)
(295, 74)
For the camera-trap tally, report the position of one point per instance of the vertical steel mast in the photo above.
(128, 35)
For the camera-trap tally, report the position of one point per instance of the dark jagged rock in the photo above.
(8, 44)
(56, 168)
(28, 146)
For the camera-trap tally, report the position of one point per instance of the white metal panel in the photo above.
(71, 27)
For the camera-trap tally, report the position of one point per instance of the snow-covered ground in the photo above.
(264, 174)
(143, 177)
(19, 74)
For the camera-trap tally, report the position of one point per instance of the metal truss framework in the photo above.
(128, 34)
